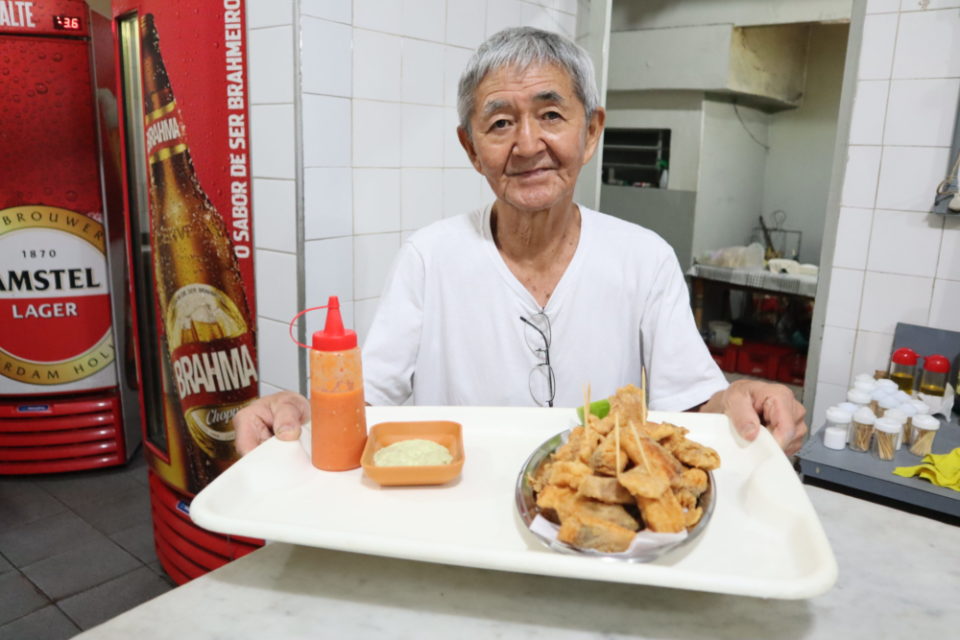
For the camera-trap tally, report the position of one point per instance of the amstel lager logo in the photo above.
(54, 299)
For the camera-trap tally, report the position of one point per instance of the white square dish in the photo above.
(764, 539)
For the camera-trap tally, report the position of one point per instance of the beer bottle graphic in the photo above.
(210, 339)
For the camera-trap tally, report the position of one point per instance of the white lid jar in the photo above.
(863, 421)
(858, 397)
(886, 431)
(900, 417)
(889, 385)
(925, 429)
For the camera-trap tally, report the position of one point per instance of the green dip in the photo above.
(412, 453)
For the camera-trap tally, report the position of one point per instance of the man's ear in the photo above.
(467, 143)
(594, 129)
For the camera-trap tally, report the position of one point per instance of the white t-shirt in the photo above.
(448, 331)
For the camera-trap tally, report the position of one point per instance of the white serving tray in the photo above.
(764, 539)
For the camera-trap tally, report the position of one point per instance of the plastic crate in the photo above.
(793, 368)
(761, 360)
(726, 358)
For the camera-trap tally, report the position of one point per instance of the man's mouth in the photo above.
(530, 173)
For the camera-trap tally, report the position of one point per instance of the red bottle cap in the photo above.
(334, 337)
(936, 364)
(905, 356)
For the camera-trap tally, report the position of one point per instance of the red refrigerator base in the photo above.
(185, 550)
(66, 433)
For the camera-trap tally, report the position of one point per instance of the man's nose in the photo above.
(529, 139)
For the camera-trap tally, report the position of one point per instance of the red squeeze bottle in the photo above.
(339, 422)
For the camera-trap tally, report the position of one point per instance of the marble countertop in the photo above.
(899, 577)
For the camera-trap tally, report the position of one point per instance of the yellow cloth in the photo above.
(942, 470)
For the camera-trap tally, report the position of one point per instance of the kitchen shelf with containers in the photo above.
(880, 440)
(756, 322)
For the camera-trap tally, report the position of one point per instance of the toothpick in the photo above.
(616, 437)
(586, 410)
(636, 439)
(643, 393)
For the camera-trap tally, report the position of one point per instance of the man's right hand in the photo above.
(280, 414)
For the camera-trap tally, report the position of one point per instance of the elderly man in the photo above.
(525, 301)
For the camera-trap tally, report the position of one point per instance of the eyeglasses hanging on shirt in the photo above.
(543, 384)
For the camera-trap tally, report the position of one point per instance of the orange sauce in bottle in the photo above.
(338, 416)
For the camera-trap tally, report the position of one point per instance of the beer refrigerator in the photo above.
(183, 146)
(67, 384)
(126, 268)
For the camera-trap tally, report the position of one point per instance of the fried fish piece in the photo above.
(693, 480)
(627, 403)
(568, 473)
(556, 503)
(661, 430)
(663, 514)
(587, 532)
(604, 489)
(614, 513)
(641, 483)
(605, 457)
(603, 426)
(693, 453)
(660, 461)
(686, 499)
(692, 516)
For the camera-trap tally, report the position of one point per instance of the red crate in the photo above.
(726, 357)
(793, 368)
(762, 360)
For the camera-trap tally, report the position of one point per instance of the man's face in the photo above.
(530, 136)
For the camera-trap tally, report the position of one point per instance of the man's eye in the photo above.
(501, 124)
(552, 115)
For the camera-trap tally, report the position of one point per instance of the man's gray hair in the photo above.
(521, 47)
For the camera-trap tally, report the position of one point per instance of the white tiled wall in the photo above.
(375, 94)
(270, 28)
(893, 261)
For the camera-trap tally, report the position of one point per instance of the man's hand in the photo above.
(280, 414)
(751, 404)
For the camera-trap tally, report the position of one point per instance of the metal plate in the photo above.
(528, 509)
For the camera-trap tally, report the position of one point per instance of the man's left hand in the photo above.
(752, 404)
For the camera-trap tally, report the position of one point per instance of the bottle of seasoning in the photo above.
(863, 421)
(903, 368)
(885, 435)
(933, 380)
(924, 431)
(339, 425)
(836, 431)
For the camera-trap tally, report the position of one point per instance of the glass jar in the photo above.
(924, 431)
(897, 415)
(878, 394)
(885, 433)
(909, 410)
(887, 384)
(903, 368)
(922, 409)
(865, 385)
(885, 403)
(863, 421)
(837, 420)
(933, 380)
(858, 397)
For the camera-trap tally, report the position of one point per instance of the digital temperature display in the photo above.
(66, 23)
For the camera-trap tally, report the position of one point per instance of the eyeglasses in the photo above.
(543, 384)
